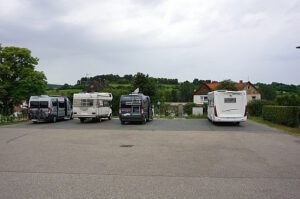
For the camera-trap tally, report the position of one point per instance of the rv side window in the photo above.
(61, 104)
(106, 104)
(34, 104)
(43, 104)
(100, 103)
(229, 100)
(54, 103)
(86, 102)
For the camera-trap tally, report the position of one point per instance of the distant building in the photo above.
(200, 94)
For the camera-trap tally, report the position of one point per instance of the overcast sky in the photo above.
(205, 39)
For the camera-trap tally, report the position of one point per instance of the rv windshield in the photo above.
(130, 100)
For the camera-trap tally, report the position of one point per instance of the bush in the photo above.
(255, 107)
(286, 115)
(188, 108)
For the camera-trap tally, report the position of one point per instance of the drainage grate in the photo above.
(126, 145)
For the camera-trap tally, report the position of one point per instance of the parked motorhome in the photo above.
(92, 106)
(135, 107)
(49, 108)
(227, 106)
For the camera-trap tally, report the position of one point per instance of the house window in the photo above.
(253, 97)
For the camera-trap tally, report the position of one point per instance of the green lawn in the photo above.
(289, 130)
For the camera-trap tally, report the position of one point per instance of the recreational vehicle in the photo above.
(135, 107)
(49, 108)
(227, 106)
(92, 106)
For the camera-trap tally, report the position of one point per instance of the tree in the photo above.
(146, 84)
(267, 91)
(227, 85)
(186, 91)
(18, 77)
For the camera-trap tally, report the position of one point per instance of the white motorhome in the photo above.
(92, 106)
(227, 106)
(49, 108)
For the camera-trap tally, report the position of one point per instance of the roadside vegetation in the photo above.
(282, 113)
(19, 80)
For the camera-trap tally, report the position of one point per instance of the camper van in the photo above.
(135, 107)
(92, 106)
(227, 106)
(49, 108)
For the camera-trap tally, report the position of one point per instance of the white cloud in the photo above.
(189, 38)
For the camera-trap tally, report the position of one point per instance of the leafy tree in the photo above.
(267, 91)
(227, 85)
(146, 84)
(186, 91)
(18, 77)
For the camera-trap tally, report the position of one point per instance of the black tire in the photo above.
(122, 122)
(237, 123)
(54, 119)
(71, 117)
(81, 120)
(109, 117)
(144, 121)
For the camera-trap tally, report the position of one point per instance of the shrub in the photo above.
(188, 108)
(255, 107)
(286, 115)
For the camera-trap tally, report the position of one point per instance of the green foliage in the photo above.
(285, 115)
(227, 85)
(186, 91)
(188, 108)
(147, 86)
(255, 107)
(267, 91)
(18, 77)
(288, 100)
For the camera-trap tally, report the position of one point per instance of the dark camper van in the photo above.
(49, 109)
(135, 108)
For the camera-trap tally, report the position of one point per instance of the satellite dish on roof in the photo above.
(136, 91)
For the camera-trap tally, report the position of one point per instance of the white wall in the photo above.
(197, 110)
(199, 99)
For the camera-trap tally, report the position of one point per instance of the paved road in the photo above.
(155, 125)
(167, 159)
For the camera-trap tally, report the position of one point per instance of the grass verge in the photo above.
(289, 130)
(204, 116)
(11, 123)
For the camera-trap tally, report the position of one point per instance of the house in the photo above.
(200, 94)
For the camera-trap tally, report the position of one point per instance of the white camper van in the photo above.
(92, 106)
(49, 108)
(227, 106)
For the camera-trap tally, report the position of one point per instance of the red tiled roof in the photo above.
(240, 86)
(212, 86)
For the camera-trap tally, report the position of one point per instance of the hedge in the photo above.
(255, 107)
(285, 115)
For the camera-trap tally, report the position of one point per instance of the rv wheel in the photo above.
(54, 119)
(145, 120)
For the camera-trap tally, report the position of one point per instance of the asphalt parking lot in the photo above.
(162, 159)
